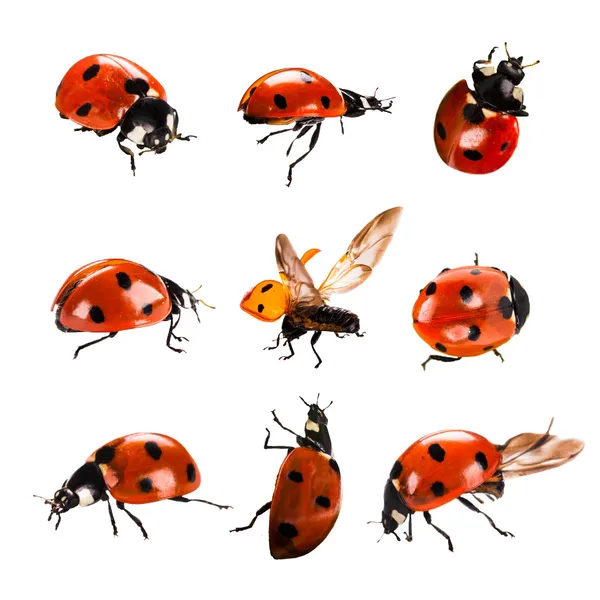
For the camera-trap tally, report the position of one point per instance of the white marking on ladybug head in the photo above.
(471, 99)
(365, 102)
(398, 517)
(156, 141)
(167, 137)
(311, 426)
(170, 122)
(85, 496)
(488, 113)
(487, 71)
(518, 94)
(137, 134)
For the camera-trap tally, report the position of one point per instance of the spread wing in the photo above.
(365, 251)
(294, 275)
(529, 453)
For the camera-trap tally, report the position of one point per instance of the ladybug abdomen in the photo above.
(328, 318)
(146, 467)
(114, 297)
(442, 466)
(466, 311)
(470, 138)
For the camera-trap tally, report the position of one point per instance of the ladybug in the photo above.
(103, 91)
(306, 99)
(476, 131)
(135, 469)
(308, 491)
(444, 466)
(112, 295)
(469, 311)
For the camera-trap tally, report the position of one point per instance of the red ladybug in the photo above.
(469, 311)
(446, 465)
(308, 492)
(304, 98)
(135, 469)
(112, 295)
(103, 91)
(477, 131)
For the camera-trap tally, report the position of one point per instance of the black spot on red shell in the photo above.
(473, 155)
(396, 470)
(436, 452)
(481, 460)
(306, 77)
(104, 455)
(440, 347)
(323, 501)
(466, 294)
(91, 72)
(280, 101)
(333, 464)
(325, 101)
(474, 333)
(287, 530)
(295, 476)
(124, 280)
(96, 314)
(487, 348)
(504, 146)
(251, 92)
(147, 309)
(83, 110)
(440, 131)
(266, 288)
(138, 87)
(438, 489)
(153, 450)
(473, 114)
(261, 307)
(191, 473)
(505, 306)
(146, 485)
(475, 272)
(431, 288)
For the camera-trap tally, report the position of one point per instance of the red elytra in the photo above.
(444, 466)
(307, 498)
(139, 468)
(469, 311)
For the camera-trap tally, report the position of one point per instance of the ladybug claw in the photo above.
(408, 538)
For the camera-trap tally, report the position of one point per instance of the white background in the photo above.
(208, 212)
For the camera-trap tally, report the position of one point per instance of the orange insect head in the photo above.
(266, 301)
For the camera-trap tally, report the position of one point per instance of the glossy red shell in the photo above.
(468, 146)
(466, 311)
(306, 503)
(112, 295)
(286, 95)
(441, 466)
(146, 467)
(93, 91)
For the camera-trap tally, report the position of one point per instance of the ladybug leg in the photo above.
(499, 355)
(472, 507)
(342, 124)
(184, 499)
(110, 514)
(476, 259)
(80, 348)
(302, 133)
(440, 531)
(262, 510)
(263, 140)
(121, 506)
(267, 447)
(440, 359)
(126, 150)
(313, 142)
(313, 341)
(174, 319)
(359, 334)
(185, 138)
(277, 344)
(409, 535)
(276, 419)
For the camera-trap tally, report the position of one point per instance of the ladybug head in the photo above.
(513, 67)
(521, 302)
(357, 105)
(315, 428)
(64, 500)
(181, 298)
(394, 511)
(151, 123)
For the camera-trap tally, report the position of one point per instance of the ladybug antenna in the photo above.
(506, 48)
(305, 402)
(531, 65)
(199, 299)
(46, 500)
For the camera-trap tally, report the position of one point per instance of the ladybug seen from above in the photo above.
(112, 295)
(444, 466)
(469, 311)
(103, 91)
(308, 492)
(135, 469)
(305, 99)
(476, 131)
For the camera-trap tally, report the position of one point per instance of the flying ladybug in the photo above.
(307, 498)
(134, 469)
(305, 307)
(476, 131)
(450, 464)
(305, 99)
(103, 92)
(112, 295)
